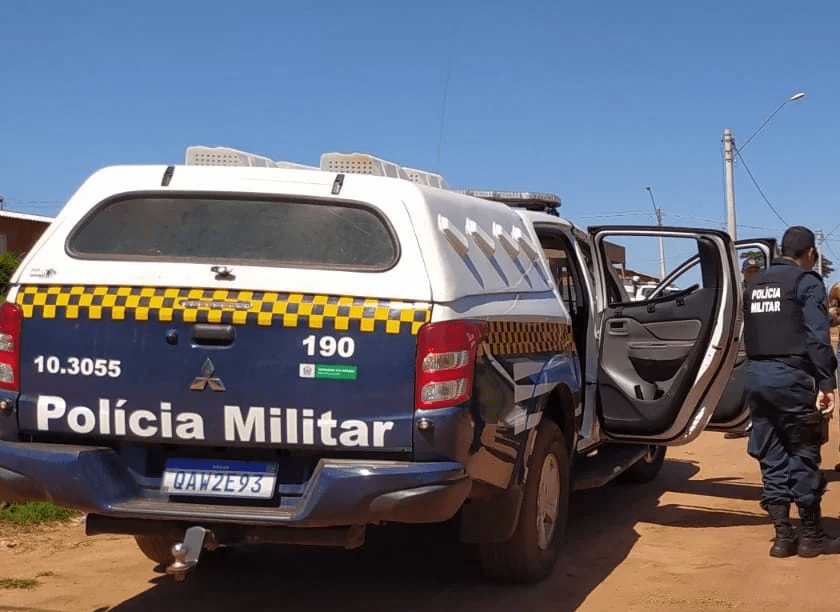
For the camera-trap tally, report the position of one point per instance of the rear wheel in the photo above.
(529, 554)
(156, 548)
(645, 469)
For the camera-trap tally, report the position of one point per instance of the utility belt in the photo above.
(795, 361)
(808, 430)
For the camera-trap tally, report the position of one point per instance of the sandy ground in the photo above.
(694, 539)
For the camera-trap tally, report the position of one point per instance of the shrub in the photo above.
(9, 261)
(32, 513)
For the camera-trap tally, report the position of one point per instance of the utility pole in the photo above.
(658, 212)
(729, 176)
(820, 239)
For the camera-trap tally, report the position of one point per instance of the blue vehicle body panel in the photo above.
(111, 392)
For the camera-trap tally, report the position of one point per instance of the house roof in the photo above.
(627, 274)
(25, 217)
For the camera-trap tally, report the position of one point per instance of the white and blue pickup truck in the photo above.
(237, 350)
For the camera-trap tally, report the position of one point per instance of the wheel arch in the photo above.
(560, 409)
(494, 517)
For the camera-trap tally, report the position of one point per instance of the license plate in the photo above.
(249, 479)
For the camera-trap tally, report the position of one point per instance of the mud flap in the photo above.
(493, 519)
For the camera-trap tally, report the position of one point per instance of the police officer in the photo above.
(834, 321)
(790, 391)
(751, 267)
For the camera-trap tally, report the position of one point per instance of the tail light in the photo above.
(10, 320)
(446, 362)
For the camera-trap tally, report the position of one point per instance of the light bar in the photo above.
(513, 196)
(531, 200)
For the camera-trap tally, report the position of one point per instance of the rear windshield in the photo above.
(289, 232)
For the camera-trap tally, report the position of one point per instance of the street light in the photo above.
(730, 151)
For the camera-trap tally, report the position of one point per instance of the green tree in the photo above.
(827, 264)
(756, 255)
(9, 261)
(827, 267)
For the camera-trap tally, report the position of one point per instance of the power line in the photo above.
(715, 222)
(758, 227)
(19, 201)
(830, 249)
(752, 178)
(621, 213)
(834, 229)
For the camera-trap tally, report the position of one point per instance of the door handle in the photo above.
(208, 334)
(618, 328)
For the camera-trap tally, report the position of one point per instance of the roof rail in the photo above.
(347, 163)
(530, 200)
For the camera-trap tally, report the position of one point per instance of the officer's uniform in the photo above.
(787, 342)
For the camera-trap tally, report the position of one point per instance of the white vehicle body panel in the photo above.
(498, 254)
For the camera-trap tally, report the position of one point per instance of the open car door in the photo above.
(731, 413)
(665, 360)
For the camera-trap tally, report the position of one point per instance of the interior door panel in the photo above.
(665, 360)
(650, 350)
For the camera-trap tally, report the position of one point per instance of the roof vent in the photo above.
(426, 178)
(225, 156)
(361, 163)
(340, 163)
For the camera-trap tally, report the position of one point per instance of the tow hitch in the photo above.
(186, 553)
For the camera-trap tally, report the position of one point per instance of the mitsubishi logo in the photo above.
(207, 378)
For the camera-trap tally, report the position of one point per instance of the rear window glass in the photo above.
(289, 232)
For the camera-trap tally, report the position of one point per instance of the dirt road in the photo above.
(694, 539)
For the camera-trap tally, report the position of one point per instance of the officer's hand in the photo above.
(825, 403)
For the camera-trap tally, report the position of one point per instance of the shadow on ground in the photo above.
(424, 569)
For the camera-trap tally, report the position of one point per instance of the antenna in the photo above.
(446, 94)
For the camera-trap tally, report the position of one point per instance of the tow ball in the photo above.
(186, 553)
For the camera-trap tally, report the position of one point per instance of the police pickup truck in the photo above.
(238, 350)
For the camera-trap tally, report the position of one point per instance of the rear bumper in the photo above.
(339, 492)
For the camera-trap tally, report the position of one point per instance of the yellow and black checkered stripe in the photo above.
(520, 337)
(264, 308)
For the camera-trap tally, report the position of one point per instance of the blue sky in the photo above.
(593, 101)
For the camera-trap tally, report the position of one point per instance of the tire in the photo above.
(530, 553)
(645, 469)
(156, 548)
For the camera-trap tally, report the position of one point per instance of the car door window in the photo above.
(567, 275)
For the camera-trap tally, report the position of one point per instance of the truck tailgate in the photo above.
(216, 367)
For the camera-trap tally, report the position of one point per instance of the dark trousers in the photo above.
(786, 433)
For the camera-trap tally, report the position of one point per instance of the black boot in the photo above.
(785, 544)
(814, 540)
